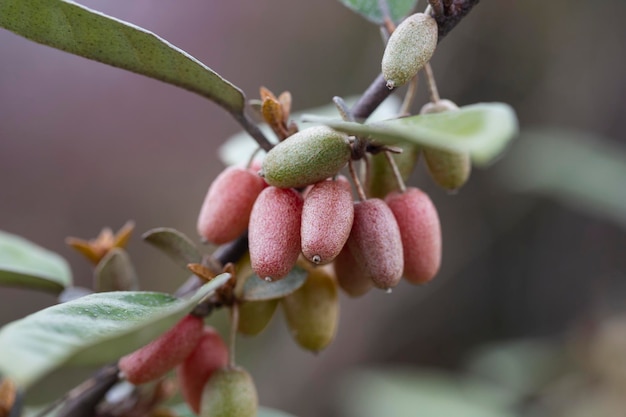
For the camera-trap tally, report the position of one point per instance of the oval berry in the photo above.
(381, 180)
(375, 242)
(156, 358)
(327, 217)
(421, 233)
(409, 48)
(254, 316)
(274, 232)
(351, 276)
(230, 392)
(226, 209)
(306, 157)
(312, 311)
(209, 355)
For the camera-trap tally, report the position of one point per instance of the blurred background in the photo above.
(534, 263)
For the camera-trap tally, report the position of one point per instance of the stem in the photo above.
(251, 127)
(437, 7)
(432, 84)
(357, 183)
(234, 325)
(396, 171)
(411, 92)
(344, 111)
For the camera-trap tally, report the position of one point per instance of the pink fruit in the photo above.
(352, 278)
(274, 232)
(421, 233)
(226, 209)
(327, 217)
(156, 358)
(209, 355)
(375, 242)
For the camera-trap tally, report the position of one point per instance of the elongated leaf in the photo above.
(174, 244)
(484, 130)
(24, 264)
(370, 9)
(91, 330)
(81, 31)
(115, 272)
(256, 289)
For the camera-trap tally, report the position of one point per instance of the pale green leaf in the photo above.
(370, 9)
(115, 272)
(24, 264)
(484, 130)
(175, 244)
(92, 330)
(256, 289)
(81, 31)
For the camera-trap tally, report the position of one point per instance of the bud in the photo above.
(409, 48)
(226, 209)
(421, 233)
(306, 157)
(209, 355)
(230, 392)
(375, 242)
(312, 311)
(156, 358)
(254, 316)
(351, 276)
(327, 217)
(274, 232)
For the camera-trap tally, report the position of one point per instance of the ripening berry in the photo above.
(307, 157)
(312, 311)
(209, 355)
(254, 316)
(409, 48)
(421, 233)
(327, 217)
(230, 392)
(351, 276)
(156, 358)
(274, 232)
(375, 242)
(226, 209)
(381, 179)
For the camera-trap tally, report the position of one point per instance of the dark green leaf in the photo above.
(484, 130)
(256, 289)
(76, 29)
(370, 9)
(24, 264)
(174, 244)
(92, 330)
(115, 272)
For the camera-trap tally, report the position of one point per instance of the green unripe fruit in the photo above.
(254, 316)
(230, 392)
(381, 180)
(312, 311)
(449, 170)
(307, 157)
(409, 48)
(351, 276)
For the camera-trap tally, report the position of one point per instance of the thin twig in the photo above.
(396, 171)
(431, 83)
(411, 92)
(343, 108)
(234, 325)
(254, 131)
(437, 7)
(357, 184)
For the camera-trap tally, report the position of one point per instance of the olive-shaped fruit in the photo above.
(307, 157)
(409, 48)
(351, 276)
(254, 316)
(230, 392)
(381, 179)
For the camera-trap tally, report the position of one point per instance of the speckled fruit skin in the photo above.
(274, 232)
(156, 358)
(375, 242)
(327, 217)
(351, 276)
(230, 392)
(312, 311)
(209, 355)
(409, 48)
(421, 233)
(254, 316)
(226, 209)
(307, 157)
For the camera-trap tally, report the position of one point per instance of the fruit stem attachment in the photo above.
(396, 171)
(411, 92)
(234, 325)
(357, 183)
(437, 8)
(432, 84)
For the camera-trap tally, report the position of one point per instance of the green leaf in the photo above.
(580, 169)
(92, 330)
(484, 130)
(115, 272)
(81, 31)
(174, 244)
(370, 9)
(183, 410)
(256, 289)
(270, 412)
(24, 264)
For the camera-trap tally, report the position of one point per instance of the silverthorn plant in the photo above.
(295, 201)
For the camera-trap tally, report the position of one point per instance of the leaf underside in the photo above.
(256, 289)
(370, 9)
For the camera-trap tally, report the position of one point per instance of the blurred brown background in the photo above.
(84, 145)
